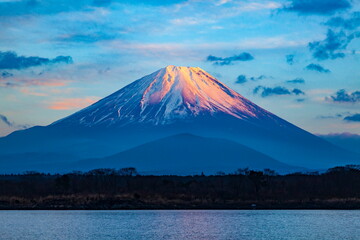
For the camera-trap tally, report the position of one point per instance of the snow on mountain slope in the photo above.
(167, 95)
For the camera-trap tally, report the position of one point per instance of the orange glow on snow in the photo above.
(198, 89)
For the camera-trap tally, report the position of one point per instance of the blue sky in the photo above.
(299, 59)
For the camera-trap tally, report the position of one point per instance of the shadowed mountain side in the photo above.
(187, 154)
(347, 141)
(40, 162)
(284, 142)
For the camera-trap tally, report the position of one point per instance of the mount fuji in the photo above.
(176, 120)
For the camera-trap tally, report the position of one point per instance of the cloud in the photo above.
(261, 77)
(243, 79)
(10, 60)
(229, 60)
(5, 120)
(49, 7)
(335, 42)
(331, 46)
(6, 74)
(297, 91)
(343, 135)
(296, 81)
(317, 7)
(334, 116)
(317, 68)
(186, 21)
(350, 23)
(268, 91)
(86, 38)
(93, 29)
(26, 81)
(290, 59)
(193, 50)
(353, 118)
(72, 103)
(45, 82)
(342, 96)
(34, 7)
(8, 84)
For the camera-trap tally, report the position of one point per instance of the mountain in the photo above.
(347, 141)
(187, 154)
(172, 101)
(169, 95)
(41, 162)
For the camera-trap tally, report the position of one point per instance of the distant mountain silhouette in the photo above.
(347, 141)
(187, 154)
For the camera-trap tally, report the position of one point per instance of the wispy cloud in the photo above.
(191, 21)
(332, 116)
(268, 91)
(243, 78)
(245, 56)
(72, 103)
(6, 74)
(11, 124)
(49, 7)
(317, 68)
(4, 119)
(343, 135)
(281, 41)
(10, 60)
(296, 81)
(194, 49)
(30, 81)
(223, 8)
(82, 38)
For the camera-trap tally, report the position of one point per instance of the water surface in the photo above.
(181, 224)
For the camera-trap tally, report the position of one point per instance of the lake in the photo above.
(180, 224)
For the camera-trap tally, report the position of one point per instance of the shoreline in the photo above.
(111, 204)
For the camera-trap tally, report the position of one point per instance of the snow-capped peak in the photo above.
(169, 94)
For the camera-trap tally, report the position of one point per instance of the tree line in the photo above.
(336, 188)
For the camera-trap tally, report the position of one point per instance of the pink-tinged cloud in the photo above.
(28, 91)
(44, 91)
(73, 103)
(48, 83)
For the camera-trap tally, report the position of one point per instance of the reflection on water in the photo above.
(184, 224)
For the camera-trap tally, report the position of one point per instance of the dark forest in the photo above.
(337, 188)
